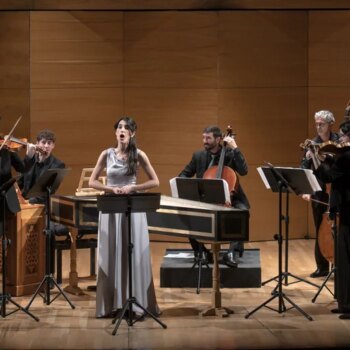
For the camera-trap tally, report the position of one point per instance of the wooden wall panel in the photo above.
(264, 121)
(173, 49)
(76, 49)
(77, 78)
(14, 72)
(83, 121)
(262, 49)
(170, 123)
(329, 48)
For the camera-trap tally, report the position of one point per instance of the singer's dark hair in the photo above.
(132, 148)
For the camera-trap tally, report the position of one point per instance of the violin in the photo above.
(14, 144)
(223, 172)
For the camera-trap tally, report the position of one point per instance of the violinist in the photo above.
(36, 163)
(8, 161)
(336, 170)
(200, 162)
(323, 122)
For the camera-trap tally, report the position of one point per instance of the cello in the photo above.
(222, 171)
(326, 234)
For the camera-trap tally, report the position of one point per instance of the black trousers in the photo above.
(318, 210)
(342, 278)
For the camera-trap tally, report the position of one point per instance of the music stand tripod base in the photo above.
(47, 183)
(274, 177)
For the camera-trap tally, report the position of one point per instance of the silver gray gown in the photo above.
(112, 274)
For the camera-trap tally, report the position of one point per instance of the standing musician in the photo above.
(9, 160)
(323, 121)
(336, 170)
(204, 159)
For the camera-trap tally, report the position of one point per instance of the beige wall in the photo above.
(264, 73)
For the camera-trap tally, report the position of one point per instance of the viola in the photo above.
(328, 147)
(223, 172)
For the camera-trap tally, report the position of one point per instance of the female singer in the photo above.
(122, 163)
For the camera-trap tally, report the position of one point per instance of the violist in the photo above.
(324, 121)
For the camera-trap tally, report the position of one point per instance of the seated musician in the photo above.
(200, 162)
(36, 163)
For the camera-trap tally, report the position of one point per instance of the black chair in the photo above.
(85, 240)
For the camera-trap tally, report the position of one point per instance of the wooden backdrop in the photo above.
(263, 72)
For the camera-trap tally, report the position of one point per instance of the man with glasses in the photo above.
(323, 122)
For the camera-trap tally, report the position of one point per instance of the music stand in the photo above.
(130, 203)
(298, 181)
(285, 180)
(214, 191)
(47, 184)
(6, 297)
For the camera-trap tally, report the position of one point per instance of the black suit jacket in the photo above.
(7, 161)
(337, 172)
(233, 158)
(33, 171)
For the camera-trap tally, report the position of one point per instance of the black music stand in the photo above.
(48, 183)
(6, 297)
(130, 203)
(284, 180)
(214, 191)
(299, 181)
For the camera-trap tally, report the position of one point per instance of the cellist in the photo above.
(204, 159)
(323, 122)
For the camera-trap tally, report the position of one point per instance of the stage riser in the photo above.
(178, 272)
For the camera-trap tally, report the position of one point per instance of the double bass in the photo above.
(222, 171)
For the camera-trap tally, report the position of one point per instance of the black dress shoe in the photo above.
(341, 310)
(345, 316)
(205, 257)
(319, 273)
(336, 311)
(230, 260)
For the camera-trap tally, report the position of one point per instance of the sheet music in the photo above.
(173, 188)
(311, 178)
(175, 192)
(263, 177)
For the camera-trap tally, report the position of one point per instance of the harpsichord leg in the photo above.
(216, 309)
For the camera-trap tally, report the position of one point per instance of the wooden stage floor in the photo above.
(60, 327)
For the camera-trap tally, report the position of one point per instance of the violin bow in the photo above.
(7, 137)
